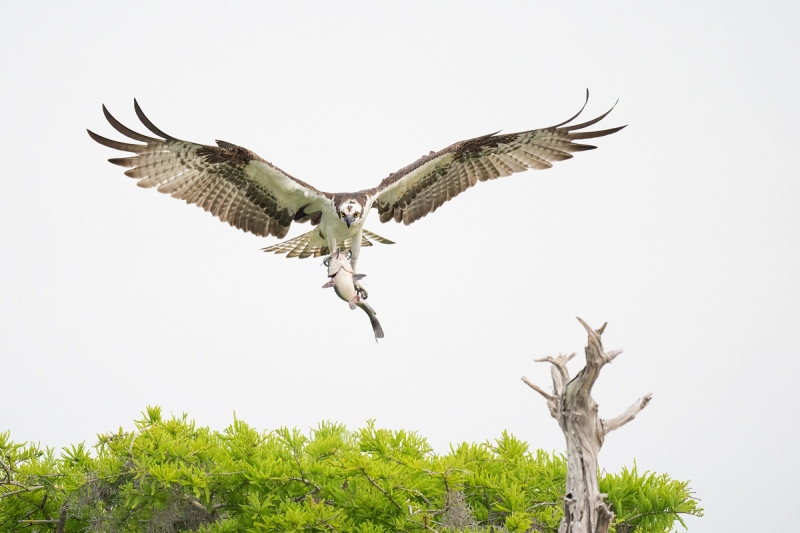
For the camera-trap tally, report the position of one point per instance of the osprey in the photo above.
(250, 193)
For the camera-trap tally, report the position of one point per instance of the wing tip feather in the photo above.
(148, 124)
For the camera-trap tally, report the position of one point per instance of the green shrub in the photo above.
(170, 476)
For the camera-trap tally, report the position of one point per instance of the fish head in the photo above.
(339, 262)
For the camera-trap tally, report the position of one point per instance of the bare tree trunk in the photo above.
(571, 404)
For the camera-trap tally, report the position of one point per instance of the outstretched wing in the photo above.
(228, 181)
(420, 188)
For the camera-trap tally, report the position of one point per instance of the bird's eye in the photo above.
(355, 215)
(341, 215)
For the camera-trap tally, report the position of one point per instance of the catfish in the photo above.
(343, 280)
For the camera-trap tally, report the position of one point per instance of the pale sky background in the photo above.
(682, 230)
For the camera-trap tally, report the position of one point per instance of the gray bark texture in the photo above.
(571, 404)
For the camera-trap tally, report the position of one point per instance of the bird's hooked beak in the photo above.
(348, 219)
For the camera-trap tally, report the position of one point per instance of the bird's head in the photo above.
(350, 211)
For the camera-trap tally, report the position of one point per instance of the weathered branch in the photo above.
(559, 372)
(628, 415)
(571, 404)
(535, 387)
(552, 400)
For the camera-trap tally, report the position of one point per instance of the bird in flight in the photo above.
(250, 193)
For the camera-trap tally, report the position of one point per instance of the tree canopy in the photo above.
(170, 476)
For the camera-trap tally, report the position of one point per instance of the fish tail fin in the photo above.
(376, 326)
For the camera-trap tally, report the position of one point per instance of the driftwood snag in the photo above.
(571, 404)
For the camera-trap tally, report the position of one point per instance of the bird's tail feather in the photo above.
(375, 237)
(308, 244)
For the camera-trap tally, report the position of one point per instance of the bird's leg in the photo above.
(354, 249)
(333, 249)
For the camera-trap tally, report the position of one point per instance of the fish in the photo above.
(343, 280)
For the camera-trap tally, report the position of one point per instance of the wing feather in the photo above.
(230, 182)
(423, 186)
(126, 131)
(226, 206)
(177, 186)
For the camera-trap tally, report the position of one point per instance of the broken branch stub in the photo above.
(571, 404)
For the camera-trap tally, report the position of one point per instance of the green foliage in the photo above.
(170, 476)
(650, 502)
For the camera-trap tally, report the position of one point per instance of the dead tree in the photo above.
(571, 404)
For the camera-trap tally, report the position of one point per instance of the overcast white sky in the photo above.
(682, 230)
